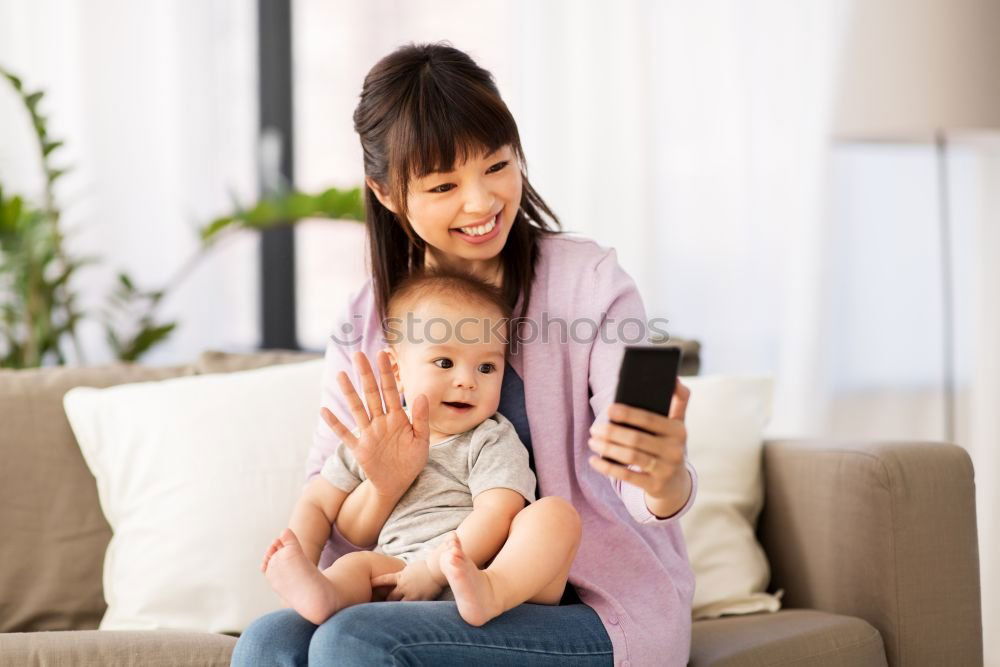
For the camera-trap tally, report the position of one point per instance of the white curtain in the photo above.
(690, 136)
(983, 415)
(157, 105)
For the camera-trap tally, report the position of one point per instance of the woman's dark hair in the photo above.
(424, 108)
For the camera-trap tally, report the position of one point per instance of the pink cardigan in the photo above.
(631, 567)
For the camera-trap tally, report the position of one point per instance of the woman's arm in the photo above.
(348, 336)
(620, 301)
(325, 441)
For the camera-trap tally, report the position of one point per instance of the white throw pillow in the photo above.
(196, 475)
(725, 421)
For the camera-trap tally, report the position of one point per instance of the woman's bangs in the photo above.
(456, 126)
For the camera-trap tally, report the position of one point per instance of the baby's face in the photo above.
(453, 362)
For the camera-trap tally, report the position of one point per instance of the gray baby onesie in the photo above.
(489, 456)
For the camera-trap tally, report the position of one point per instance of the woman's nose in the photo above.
(479, 200)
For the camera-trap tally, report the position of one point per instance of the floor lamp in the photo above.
(923, 71)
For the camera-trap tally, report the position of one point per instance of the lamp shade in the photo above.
(912, 67)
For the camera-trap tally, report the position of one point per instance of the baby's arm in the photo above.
(364, 513)
(314, 514)
(485, 530)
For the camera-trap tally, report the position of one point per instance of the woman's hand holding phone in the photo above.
(659, 452)
(654, 439)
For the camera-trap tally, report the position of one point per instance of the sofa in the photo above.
(873, 544)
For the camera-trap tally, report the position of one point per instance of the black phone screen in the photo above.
(648, 377)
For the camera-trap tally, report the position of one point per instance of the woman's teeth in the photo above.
(481, 229)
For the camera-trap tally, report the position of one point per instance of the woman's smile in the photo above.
(481, 233)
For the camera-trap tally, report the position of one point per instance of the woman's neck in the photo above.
(489, 270)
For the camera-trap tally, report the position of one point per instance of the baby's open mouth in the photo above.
(458, 405)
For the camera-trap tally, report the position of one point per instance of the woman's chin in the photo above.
(480, 255)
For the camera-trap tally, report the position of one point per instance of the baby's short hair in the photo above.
(446, 283)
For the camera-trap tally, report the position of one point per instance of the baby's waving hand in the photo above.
(389, 448)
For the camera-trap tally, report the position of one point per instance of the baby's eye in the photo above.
(487, 368)
(446, 186)
(443, 360)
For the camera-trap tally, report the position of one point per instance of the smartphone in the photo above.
(647, 378)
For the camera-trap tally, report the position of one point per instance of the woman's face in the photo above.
(465, 214)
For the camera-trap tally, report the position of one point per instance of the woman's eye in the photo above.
(487, 368)
(447, 187)
(447, 363)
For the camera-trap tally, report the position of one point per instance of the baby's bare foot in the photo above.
(271, 550)
(297, 581)
(473, 588)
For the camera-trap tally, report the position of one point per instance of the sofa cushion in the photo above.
(197, 476)
(792, 636)
(725, 420)
(55, 533)
(217, 361)
(116, 649)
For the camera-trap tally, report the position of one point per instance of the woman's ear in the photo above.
(381, 195)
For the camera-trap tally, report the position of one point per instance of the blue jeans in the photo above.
(427, 633)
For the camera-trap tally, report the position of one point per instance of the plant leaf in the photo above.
(32, 100)
(216, 226)
(14, 81)
(146, 339)
(53, 174)
(49, 146)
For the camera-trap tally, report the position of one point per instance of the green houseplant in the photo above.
(39, 313)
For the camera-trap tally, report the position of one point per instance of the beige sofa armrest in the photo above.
(882, 531)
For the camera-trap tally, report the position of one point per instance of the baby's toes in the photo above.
(287, 537)
(271, 549)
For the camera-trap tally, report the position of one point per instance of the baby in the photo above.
(456, 515)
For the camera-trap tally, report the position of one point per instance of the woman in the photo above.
(445, 186)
